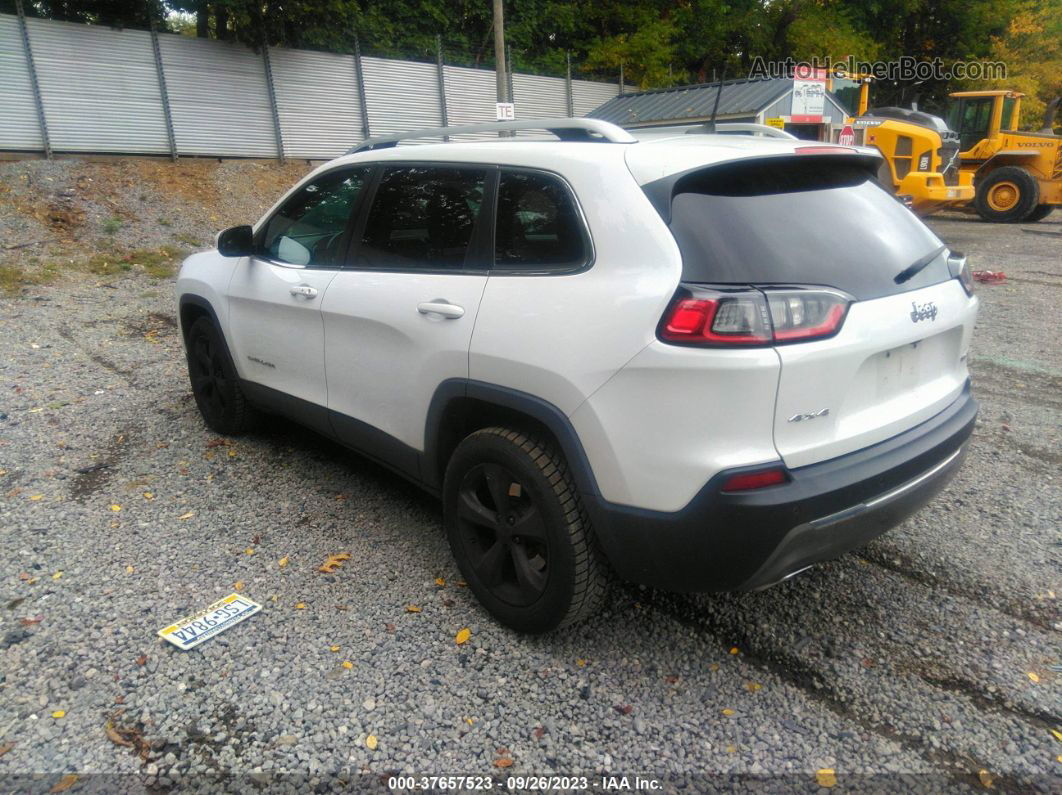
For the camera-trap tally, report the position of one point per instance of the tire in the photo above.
(1039, 214)
(534, 563)
(1007, 195)
(214, 382)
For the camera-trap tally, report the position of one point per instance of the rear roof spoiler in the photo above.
(659, 192)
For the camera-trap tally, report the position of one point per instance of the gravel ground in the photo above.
(930, 661)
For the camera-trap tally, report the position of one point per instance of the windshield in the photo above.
(810, 219)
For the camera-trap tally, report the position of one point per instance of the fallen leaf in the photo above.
(232, 453)
(985, 778)
(503, 762)
(671, 680)
(1034, 677)
(1058, 734)
(129, 569)
(37, 497)
(580, 662)
(348, 664)
(59, 713)
(141, 660)
(371, 742)
(116, 507)
(333, 562)
(733, 649)
(116, 738)
(731, 749)
(728, 712)
(333, 648)
(462, 584)
(248, 551)
(752, 687)
(462, 636)
(539, 732)
(188, 515)
(412, 609)
(390, 628)
(440, 582)
(5, 748)
(238, 586)
(341, 497)
(57, 576)
(826, 777)
(216, 443)
(713, 667)
(283, 561)
(31, 622)
(624, 709)
(65, 783)
(300, 605)
(25, 576)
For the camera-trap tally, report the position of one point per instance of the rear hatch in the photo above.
(788, 226)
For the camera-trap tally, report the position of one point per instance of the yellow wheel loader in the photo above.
(1017, 176)
(921, 153)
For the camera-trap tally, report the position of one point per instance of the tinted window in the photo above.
(308, 229)
(422, 218)
(538, 226)
(805, 220)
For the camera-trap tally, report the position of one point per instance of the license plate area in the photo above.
(189, 632)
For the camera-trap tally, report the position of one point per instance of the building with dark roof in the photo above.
(762, 101)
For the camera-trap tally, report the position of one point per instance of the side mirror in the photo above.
(236, 241)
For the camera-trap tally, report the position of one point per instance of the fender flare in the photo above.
(542, 411)
(191, 299)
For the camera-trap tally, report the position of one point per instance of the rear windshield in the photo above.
(812, 219)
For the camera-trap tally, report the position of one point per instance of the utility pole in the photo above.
(499, 51)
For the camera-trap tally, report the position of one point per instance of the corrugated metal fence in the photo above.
(106, 90)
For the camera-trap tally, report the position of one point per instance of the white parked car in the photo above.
(703, 362)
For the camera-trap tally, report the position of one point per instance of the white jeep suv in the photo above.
(703, 362)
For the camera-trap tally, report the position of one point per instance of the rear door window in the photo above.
(423, 218)
(811, 219)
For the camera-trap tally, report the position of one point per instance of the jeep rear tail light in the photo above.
(718, 319)
(751, 317)
(806, 314)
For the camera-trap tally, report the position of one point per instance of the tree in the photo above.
(1031, 47)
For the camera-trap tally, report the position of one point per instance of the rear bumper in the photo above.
(749, 540)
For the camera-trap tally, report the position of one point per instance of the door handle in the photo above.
(449, 311)
(304, 290)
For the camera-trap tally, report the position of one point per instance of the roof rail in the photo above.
(564, 129)
(744, 127)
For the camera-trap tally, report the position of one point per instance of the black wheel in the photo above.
(214, 384)
(1039, 214)
(1007, 195)
(519, 532)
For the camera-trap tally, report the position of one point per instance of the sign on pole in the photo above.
(809, 96)
(506, 111)
(847, 136)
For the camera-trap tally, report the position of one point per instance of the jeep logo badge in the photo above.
(926, 311)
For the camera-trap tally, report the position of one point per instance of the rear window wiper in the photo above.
(917, 266)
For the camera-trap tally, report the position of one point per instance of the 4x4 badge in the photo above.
(811, 415)
(927, 311)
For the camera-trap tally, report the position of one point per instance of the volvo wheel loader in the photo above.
(921, 154)
(1017, 176)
